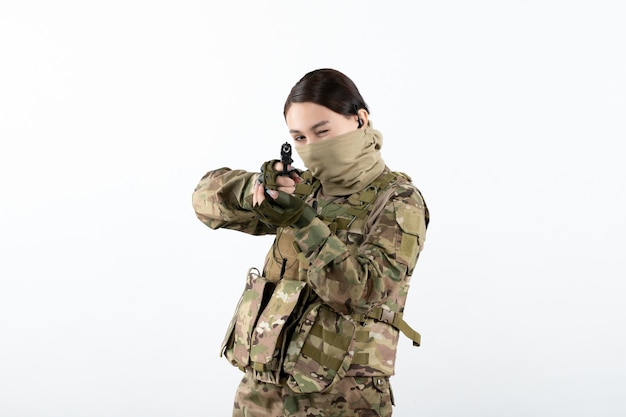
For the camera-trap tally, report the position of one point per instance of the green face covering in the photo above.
(347, 163)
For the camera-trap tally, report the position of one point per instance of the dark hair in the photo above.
(329, 88)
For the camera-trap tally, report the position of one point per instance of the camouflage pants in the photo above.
(351, 397)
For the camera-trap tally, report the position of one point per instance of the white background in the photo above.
(509, 116)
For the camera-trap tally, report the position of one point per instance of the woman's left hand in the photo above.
(284, 183)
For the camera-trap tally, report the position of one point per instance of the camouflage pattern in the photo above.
(350, 397)
(236, 345)
(321, 350)
(271, 324)
(357, 256)
(223, 199)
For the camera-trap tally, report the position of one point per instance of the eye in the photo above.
(299, 138)
(321, 132)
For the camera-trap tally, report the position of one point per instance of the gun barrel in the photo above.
(285, 156)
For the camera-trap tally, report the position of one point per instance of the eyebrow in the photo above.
(315, 126)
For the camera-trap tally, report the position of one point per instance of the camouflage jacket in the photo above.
(353, 265)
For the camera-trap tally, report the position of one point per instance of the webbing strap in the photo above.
(328, 361)
(320, 357)
(358, 212)
(338, 341)
(342, 224)
(370, 194)
(258, 366)
(341, 342)
(361, 201)
(409, 332)
(261, 367)
(396, 320)
(307, 186)
(333, 339)
(361, 358)
(362, 336)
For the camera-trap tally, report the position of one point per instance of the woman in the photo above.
(316, 331)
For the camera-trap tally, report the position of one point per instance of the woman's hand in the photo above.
(284, 183)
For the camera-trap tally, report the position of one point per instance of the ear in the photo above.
(364, 116)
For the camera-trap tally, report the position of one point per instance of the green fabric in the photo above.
(269, 174)
(285, 210)
(347, 163)
(396, 320)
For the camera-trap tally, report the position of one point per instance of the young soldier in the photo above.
(316, 331)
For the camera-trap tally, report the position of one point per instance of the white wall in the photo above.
(508, 115)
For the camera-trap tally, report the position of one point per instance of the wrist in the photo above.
(308, 214)
(312, 236)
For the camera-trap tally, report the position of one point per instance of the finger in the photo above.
(286, 184)
(258, 194)
(296, 177)
(283, 181)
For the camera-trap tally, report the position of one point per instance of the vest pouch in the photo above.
(320, 351)
(236, 344)
(270, 332)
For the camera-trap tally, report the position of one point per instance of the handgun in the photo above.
(268, 175)
(285, 157)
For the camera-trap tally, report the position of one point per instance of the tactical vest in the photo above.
(286, 335)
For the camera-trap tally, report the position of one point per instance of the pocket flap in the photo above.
(236, 344)
(270, 324)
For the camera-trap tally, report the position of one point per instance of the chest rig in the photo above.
(281, 330)
(351, 214)
(348, 221)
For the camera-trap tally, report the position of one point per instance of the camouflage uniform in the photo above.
(353, 266)
(352, 396)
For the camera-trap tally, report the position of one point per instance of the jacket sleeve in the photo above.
(223, 199)
(380, 271)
